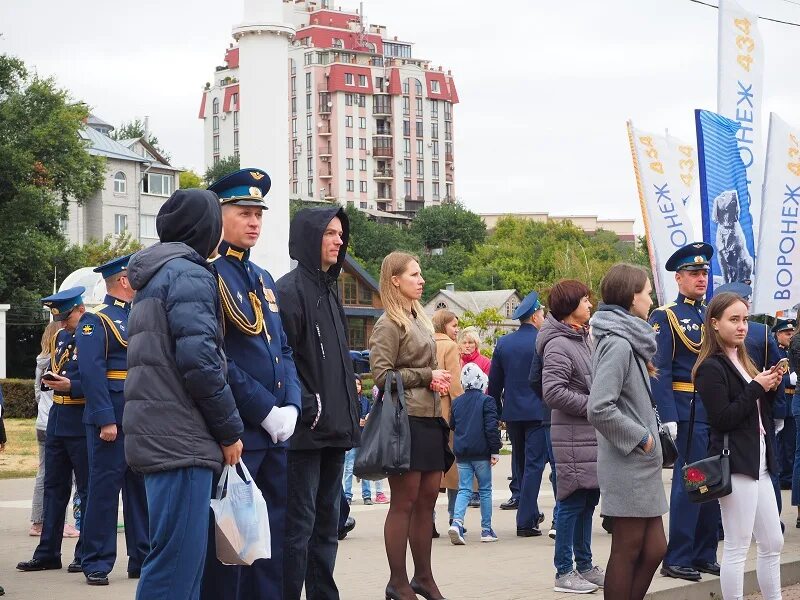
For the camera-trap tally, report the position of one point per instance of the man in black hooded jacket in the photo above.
(316, 328)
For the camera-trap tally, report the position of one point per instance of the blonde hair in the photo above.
(470, 333)
(712, 344)
(47, 337)
(441, 318)
(394, 265)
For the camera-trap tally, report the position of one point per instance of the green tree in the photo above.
(440, 226)
(97, 252)
(135, 129)
(44, 165)
(486, 322)
(370, 242)
(190, 179)
(225, 166)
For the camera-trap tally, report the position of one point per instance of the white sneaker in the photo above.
(456, 533)
(595, 575)
(573, 583)
(552, 532)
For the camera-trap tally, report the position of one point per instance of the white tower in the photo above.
(263, 40)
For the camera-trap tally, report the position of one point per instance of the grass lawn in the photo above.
(21, 456)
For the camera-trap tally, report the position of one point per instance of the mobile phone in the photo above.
(782, 365)
(49, 376)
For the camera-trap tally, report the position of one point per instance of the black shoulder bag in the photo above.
(710, 478)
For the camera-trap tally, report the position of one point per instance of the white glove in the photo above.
(778, 425)
(280, 423)
(671, 428)
(793, 378)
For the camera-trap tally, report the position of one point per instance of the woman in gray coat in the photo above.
(628, 448)
(563, 344)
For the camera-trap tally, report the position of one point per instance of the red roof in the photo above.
(228, 100)
(202, 114)
(336, 79)
(444, 90)
(395, 88)
(322, 37)
(232, 58)
(453, 93)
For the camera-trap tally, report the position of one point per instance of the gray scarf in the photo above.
(613, 319)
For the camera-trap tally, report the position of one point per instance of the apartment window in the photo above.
(147, 226)
(294, 168)
(406, 105)
(448, 130)
(434, 109)
(311, 187)
(448, 111)
(310, 164)
(420, 190)
(449, 193)
(407, 146)
(236, 140)
(417, 88)
(435, 148)
(236, 100)
(397, 50)
(407, 127)
(435, 168)
(435, 190)
(362, 143)
(379, 83)
(308, 80)
(435, 131)
(216, 143)
(406, 88)
(363, 186)
(364, 295)
(419, 106)
(420, 147)
(120, 183)
(215, 106)
(308, 123)
(294, 85)
(407, 188)
(215, 121)
(294, 187)
(309, 146)
(236, 117)
(420, 168)
(292, 66)
(348, 121)
(348, 99)
(348, 79)
(361, 100)
(294, 105)
(294, 127)
(349, 163)
(351, 185)
(362, 81)
(308, 102)
(337, 43)
(407, 167)
(157, 184)
(419, 129)
(348, 141)
(362, 122)
(448, 148)
(216, 159)
(362, 164)
(307, 59)
(120, 224)
(435, 87)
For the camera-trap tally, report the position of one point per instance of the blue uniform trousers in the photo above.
(513, 485)
(530, 452)
(62, 456)
(108, 474)
(177, 504)
(787, 443)
(263, 579)
(344, 511)
(693, 528)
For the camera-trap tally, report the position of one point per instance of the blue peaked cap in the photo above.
(62, 303)
(692, 257)
(529, 305)
(784, 325)
(735, 287)
(246, 187)
(114, 266)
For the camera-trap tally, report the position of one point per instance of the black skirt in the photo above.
(429, 444)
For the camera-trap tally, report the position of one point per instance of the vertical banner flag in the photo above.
(776, 288)
(660, 188)
(724, 200)
(740, 88)
(683, 158)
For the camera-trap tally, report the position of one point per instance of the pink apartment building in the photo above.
(370, 125)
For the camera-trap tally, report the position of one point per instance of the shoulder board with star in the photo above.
(666, 306)
(98, 308)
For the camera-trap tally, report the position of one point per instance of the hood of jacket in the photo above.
(194, 217)
(613, 319)
(146, 263)
(553, 328)
(305, 237)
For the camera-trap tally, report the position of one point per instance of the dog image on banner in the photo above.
(735, 261)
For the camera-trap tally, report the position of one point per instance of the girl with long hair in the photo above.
(738, 399)
(402, 341)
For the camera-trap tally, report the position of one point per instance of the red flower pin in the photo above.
(694, 475)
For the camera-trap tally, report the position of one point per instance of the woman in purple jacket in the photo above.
(563, 344)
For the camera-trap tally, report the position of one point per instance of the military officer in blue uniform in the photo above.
(65, 448)
(693, 528)
(102, 342)
(262, 376)
(783, 331)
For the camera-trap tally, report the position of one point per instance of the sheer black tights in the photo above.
(638, 546)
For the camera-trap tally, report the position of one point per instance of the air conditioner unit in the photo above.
(297, 150)
(324, 159)
(224, 116)
(369, 152)
(430, 144)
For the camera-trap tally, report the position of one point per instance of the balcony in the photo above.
(448, 177)
(385, 130)
(325, 129)
(326, 150)
(325, 175)
(382, 151)
(383, 174)
(448, 157)
(385, 206)
(381, 108)
(414, 205)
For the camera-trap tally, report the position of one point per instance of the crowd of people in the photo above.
(198, 359)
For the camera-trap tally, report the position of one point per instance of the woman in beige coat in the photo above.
(445, 328)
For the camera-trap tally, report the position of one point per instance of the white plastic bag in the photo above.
(241, 520)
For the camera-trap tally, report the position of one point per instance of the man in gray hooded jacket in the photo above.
(180, 414)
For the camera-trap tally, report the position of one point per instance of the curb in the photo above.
(709, 589)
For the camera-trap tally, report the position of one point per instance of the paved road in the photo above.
(513, 568)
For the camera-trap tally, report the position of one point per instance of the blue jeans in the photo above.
(177, 504)
(347, 478)
(574, 527)
(482, 470)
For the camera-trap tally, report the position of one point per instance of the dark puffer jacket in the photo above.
(178, 405)
(315, 325)
(566, 381)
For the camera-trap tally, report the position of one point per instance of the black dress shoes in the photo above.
(97, 578)
(676, 572)
(513, 504)
(75, 567)
(36, 564)
(710, 568)
(349, 525)
(134, 573)
(528, 532)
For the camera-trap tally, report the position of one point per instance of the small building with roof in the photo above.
(361, 300)
(458, 302)
(137, 181)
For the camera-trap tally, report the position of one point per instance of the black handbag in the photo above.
(669, 451)
(710, 478)
(386, 440)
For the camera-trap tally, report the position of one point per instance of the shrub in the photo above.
(20, 400)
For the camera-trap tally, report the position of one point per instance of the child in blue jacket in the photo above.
(476, 444)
